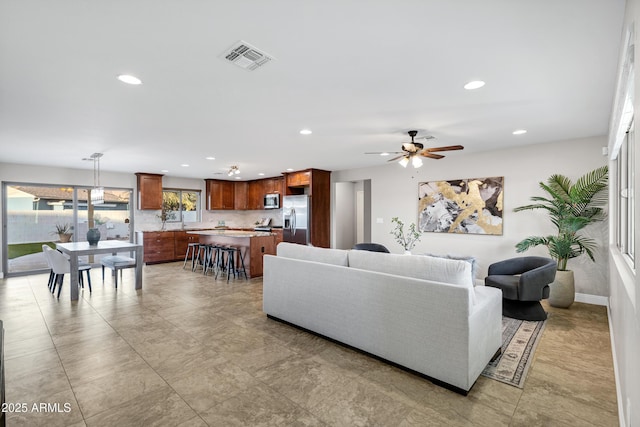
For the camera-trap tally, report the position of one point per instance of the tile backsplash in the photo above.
(149, 221)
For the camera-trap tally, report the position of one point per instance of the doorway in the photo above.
(352, 213)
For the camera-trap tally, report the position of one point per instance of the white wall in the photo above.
(394, 192)
(345, 232)
(624, 303)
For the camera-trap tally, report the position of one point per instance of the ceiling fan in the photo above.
(413, 151)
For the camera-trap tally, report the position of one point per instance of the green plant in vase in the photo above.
(571, 207)
(64, 232)
(407, 240)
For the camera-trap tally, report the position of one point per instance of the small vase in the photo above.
(93, 236)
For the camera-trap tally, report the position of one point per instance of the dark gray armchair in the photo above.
(524, 282)
(372, 247)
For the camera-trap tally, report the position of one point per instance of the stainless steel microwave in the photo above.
(272, 201)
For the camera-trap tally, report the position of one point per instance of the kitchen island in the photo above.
(252, 244)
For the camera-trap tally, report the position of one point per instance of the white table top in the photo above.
(103, 246)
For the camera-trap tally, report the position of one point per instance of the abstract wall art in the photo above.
(461, 206)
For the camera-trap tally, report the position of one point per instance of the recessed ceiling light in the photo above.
(210, 158)
(289, 169)
(305, 132)
(238, 177)
(476, 84)
(519, 132)
(384, 154)
(164, 171)
(129, 79)
(184, 165)
(261, 174)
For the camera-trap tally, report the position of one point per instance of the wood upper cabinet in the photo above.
(298, 179)
(273, 185)
(220, 194)
(255, 194)
(316, 184)
(149, 191)
(240, 197)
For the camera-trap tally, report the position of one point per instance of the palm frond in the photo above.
(571, 207)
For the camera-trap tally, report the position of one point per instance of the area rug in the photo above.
(519, 341)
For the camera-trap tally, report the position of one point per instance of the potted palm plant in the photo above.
(571, 207)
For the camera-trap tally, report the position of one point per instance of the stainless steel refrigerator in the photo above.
(296, 211)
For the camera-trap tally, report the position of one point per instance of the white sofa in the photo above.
(420, 312)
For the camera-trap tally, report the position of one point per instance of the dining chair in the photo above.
(45, 254)
(115, 263)
(60, 266)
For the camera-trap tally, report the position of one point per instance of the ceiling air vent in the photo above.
(246, 56)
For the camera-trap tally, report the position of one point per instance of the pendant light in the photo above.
(97, 192)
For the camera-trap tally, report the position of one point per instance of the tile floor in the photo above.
(190, 351)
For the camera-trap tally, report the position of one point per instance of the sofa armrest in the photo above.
(485, 328)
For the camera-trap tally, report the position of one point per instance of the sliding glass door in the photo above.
(37, 214)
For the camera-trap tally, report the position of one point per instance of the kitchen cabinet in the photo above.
(149, 191)
(255, 194)
(181, 242)
(220, 194)
(159, 246)
(273, 185)
(240, 195)
(278, 234)
(298, 179)
(316, 184)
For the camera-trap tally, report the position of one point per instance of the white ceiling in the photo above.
(359, 74)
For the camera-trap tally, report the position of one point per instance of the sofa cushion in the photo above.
(455, 272)
(311, 253)
(471, 260)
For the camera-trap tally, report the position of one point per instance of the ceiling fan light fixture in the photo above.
(233, 170)
(404, 162)
(416, 162)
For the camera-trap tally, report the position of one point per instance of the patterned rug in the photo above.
(519, 341)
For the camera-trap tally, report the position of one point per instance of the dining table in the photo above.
(77, 249)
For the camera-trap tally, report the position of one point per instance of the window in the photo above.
(181, 205)
(38, 214)
(625, 199)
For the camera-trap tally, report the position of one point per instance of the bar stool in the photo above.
(213, 260)
(201, 256)
(192, 248)
(230, 266)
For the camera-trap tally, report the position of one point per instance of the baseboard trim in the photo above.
(592, 299)
(616, 375)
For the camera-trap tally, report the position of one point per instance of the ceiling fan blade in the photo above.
(382, 152)
(431, 156)
(395, 158)
(426, 137)
(447, 148)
